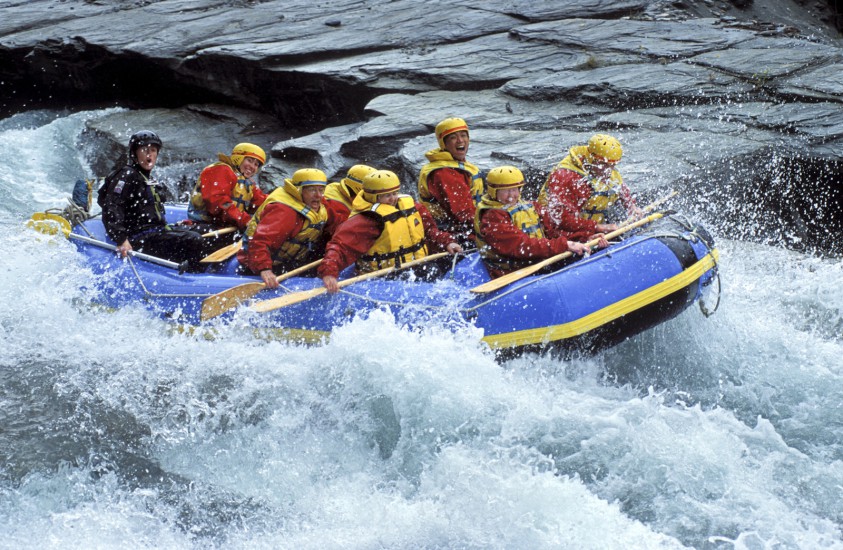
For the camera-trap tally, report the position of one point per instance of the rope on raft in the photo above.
(149, 294)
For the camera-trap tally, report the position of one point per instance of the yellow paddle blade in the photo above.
(49, 224)
(221, 302)
(509, 278)
(287, 299)
(222, 254)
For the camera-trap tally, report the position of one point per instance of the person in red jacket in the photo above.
(509, 231)
(286, 230)
(449, 186)
(226, 193)
(385, 228)
(582, 190)
(340, 195)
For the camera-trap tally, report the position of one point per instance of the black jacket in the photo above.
(131, 203)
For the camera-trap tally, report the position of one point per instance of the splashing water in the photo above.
(720, 432)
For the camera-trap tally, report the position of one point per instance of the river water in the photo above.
(118, 432)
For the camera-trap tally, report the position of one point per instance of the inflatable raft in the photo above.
(578, 305)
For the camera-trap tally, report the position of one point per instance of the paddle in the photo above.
(218, 232)
(221, 302)
(222, 254)
(509, 278)
(51, 224)
(296, 297)
(656, 203)
(181, 267)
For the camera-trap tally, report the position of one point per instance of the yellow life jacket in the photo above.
(523, 216)
(298, 249)
(241, 195)
(402, 237)
(439, 158)
(604, 193)
(338, 191)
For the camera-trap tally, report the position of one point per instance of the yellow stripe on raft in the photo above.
(608, 313)
(524, 337)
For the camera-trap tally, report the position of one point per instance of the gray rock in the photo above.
(719, 99)
(824, 82)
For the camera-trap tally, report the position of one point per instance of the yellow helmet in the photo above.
(243, 150)
(449, 126)
(607, 147)
(354, 179)
(503, 177)
(308, 176)
(379, 182)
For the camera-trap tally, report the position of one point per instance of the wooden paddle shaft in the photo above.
(296, 297)
(219, 303)
(510, 278)
(218, 232)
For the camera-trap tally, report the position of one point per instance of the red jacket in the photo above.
(217, 183)
(357, 235)
(452, 189)
(278, 224)
(337, 213)
(567, 194)
(497, 229)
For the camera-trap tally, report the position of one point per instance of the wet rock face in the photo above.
(738, 104)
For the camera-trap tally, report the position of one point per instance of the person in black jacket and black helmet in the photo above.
(133, 210)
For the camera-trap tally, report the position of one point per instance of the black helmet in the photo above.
(144, 137)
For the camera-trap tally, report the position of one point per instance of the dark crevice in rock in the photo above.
(74, 74)
(289, 61)
(520, 17)
(69, 76)
(300, 100)
(608, 15)
(784, 98)
(836, 16)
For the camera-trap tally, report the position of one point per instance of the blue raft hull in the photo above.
(583, 306)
